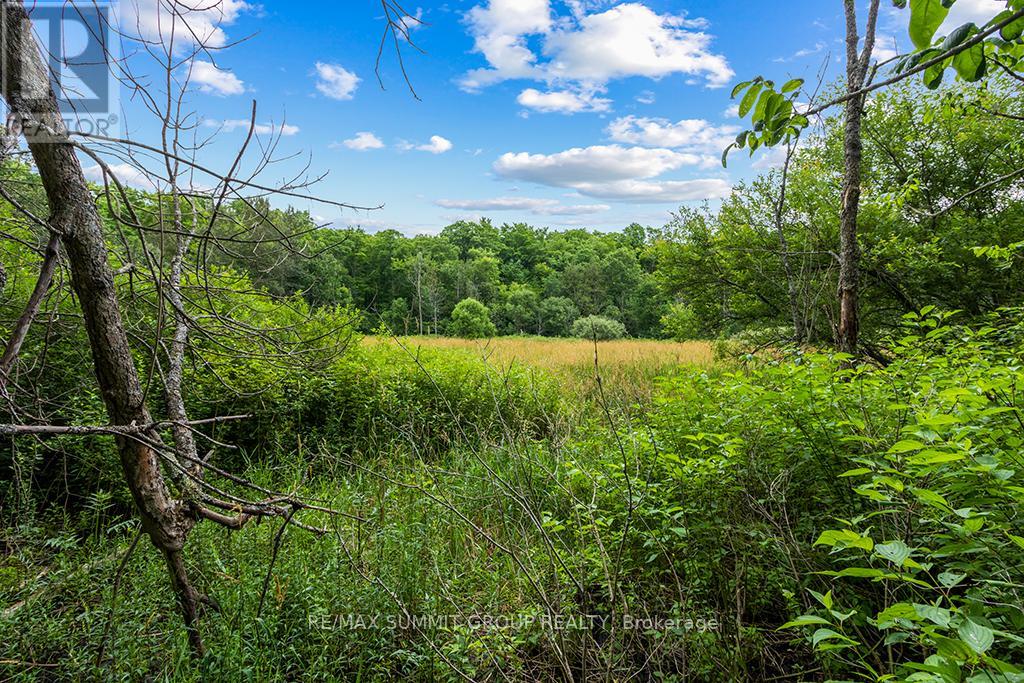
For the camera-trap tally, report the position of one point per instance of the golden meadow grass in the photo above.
(627, 366)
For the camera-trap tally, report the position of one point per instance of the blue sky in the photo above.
(563, 114)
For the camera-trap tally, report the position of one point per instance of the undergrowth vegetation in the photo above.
(776, 515)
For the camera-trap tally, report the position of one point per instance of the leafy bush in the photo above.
(880, 507)
(599, 328)
(681, 323)
(471, 320)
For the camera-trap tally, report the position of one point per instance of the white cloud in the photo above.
(805, 52)
(978, 11)
(188, 22)
(437, 145)
(770, 158)
(732, 111)
(362, 142)
(601, 163)
(335, 81)
(886, 48)
(231, 125)
(215, 81)
(587, 50)
(126, 174)
(646, 97)
(499, 30)
(691, 134)
(540, 207)
(633, 40)
(562, 101)
(614, 172)
(653, 191)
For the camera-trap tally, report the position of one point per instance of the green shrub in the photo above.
(879, 507)
(471, 320)
(681, 323)
(599, 328)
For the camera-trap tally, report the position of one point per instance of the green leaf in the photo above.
(827, 634)
(933, 75)
(934, 614)
(979, 638)
(749, 99)
(896, 552)
(845, 538)
(925, 18)
(959, 35)
(792, 85)
(855, 472)
(934, 457)
(948, 579)
(1013, 31)
(725, 155)
(805, 620)
(906, 446)
(971, 64)
(739, 88)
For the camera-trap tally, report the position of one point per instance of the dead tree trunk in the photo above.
(857, 62)
(75, 220)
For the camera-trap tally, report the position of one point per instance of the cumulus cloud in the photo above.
(500, 30)
(187, 22)
(653, 191)
(231, 125)
(335, 81)
(215, 81)
(613, 172)
(886, 48)
(589, 48)
(437, 145)
(691, 134)
(562, 101)
(600, 163)
(125, 173)
(540, 207)
(978, 11)
(362, 142)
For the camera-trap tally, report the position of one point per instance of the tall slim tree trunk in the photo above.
(857, 62)
(75, 219)
(795, 314)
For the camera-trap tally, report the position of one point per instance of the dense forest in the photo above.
(777, 438)
(708, 273)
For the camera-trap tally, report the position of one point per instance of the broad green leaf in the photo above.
(979, 638)
(933, 75)
(749, 99)
(949, 579)
(855, 472)
(805, 620)
(971, 64)
(934, 457)
(906, 446)
(739, 88)
(925, 18)
(896, 552)
(844, 538)
(934, 614)
(792, 85)
(959, 35)
(827, 634)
